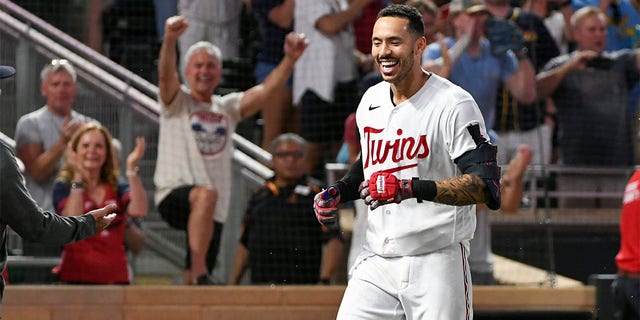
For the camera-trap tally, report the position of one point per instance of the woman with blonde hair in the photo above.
(89, 180)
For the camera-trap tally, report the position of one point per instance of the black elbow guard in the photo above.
(482, 162)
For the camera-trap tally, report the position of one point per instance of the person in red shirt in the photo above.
(626, 287)
(89, 180)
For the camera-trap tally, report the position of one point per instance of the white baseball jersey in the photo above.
(420, 137)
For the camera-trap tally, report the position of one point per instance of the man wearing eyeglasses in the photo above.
(41, 140)
(282, 207)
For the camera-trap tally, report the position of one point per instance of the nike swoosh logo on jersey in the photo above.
(371, 107)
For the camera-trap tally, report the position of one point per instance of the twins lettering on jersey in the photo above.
(380, 150)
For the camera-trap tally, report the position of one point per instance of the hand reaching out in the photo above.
(104, 216)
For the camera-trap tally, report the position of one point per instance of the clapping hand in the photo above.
(136, 154)
(69, 127)
(75, 162)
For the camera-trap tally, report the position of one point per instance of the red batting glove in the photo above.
(385, 188)
(325, 207)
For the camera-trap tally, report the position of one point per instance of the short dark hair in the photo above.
(415, 26)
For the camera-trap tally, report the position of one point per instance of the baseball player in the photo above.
(425, 162)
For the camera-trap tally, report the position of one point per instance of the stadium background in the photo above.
(559, 244)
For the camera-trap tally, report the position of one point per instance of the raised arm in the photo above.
(442, 66)
(258, 96)
(332, 23)
(138, 205)
(75, 198)
(522, 84)
(168, 78)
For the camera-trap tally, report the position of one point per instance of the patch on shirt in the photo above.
(211, 131)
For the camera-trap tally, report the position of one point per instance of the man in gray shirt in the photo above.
(20, 212)
(42, 135)
(591, 89)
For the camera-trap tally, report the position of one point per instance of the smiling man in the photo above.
(42, 135)
(193, 172)
(426, 162)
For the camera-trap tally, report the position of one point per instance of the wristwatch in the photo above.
(77, 184)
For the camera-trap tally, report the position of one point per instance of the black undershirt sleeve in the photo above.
(349, 184)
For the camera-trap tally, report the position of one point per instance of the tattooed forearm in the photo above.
(462, 191)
